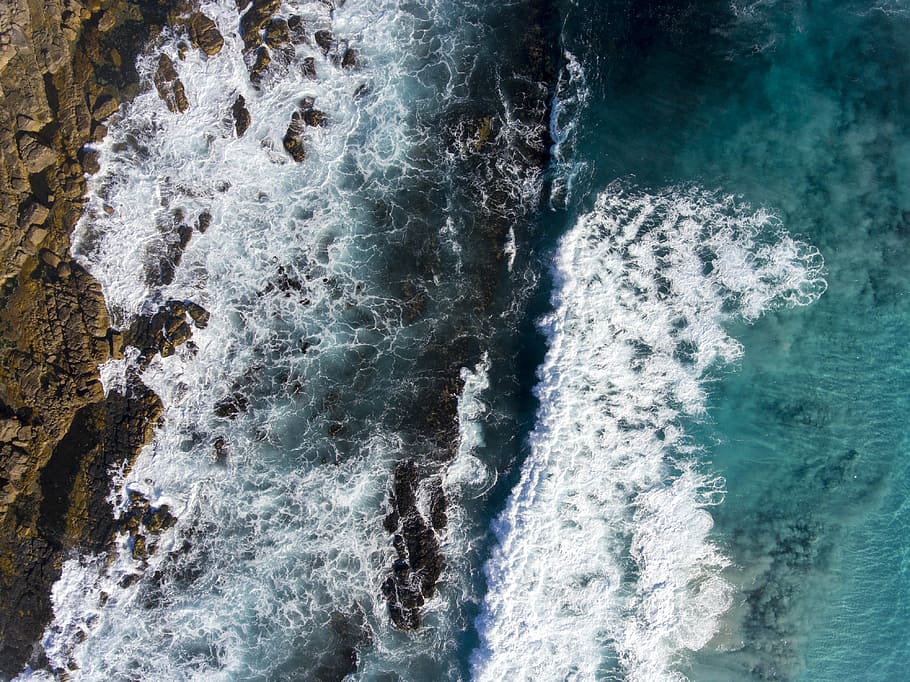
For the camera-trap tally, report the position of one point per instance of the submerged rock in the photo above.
(419, 561)
(308, 68)
(325, 40)
(349, 59)
(232, 405)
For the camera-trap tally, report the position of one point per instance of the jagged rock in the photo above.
(313, 117)
(164, 330)
(419, 561)
(139, 550)
(293, 138)
(232, 405)
(204, 34)
(104, 107)
(297, 28)
(252, 23)
(199, 314)
(306, 115)
(277, 33)
(241, 117)
(203, 220)
(33, 214)
(257, 71)
(158, 519)
(115, 340)
(89, 160)
(55, 470)
(308, 68)
(325, 40)
(170, 88)
(34, 153)
(349, 60)
(220, 450)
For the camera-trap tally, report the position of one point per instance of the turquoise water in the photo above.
(803, 108)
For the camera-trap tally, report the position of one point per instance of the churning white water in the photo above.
(274, 567)
(606, 568)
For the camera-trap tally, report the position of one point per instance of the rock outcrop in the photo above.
(65, 65)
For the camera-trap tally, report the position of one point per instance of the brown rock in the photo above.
(199, 315)
(252, 23)
(33, 214)
(313, 117)
(35, 154)
(104, 107)
(55, 467)
(257, 71)
(204, 34)
(170, 88)
(277, 33)
(293, 139)
(349, 60)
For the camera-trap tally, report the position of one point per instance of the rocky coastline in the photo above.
(65, 67)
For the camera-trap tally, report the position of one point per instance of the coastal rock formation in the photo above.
(254, 21)
(242, 118)
(65, 65)
(169, 86)
(485, 140)
(418, 562)
(204, 34)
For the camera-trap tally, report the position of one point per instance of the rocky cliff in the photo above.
(65, 65)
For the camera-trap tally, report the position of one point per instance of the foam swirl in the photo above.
(606, 565)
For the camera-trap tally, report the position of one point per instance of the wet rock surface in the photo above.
(204, 34)
(169, 86)
(307, 115)
(164, 330)
(65, 65)
(242, 118)
(255, 20)
(419, 561)
(484, 139)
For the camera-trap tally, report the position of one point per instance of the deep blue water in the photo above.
(633, 329)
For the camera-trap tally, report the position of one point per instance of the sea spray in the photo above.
(606, 564)
(346, 293)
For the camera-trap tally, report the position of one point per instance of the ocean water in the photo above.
(625, 281)
(800, 108)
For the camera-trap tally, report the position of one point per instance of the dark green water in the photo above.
(802, 108)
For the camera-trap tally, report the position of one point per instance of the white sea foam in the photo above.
(606, 566)
(569, 103)
(467, 474)
(286, 534)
